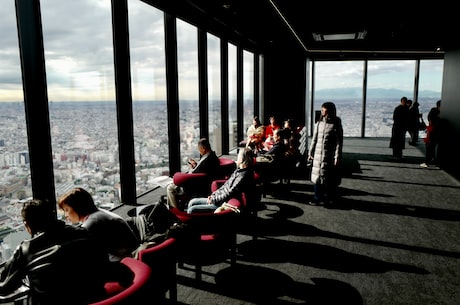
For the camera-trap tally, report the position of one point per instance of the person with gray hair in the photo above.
(208, 164)
(241, 180)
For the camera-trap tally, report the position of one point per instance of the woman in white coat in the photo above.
(326, 153)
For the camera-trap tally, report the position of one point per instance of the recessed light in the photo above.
(341, 36)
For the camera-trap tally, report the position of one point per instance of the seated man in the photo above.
(62, 263)
(208, 164)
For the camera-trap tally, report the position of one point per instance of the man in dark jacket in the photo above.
(399, 129)
(61, 262)
(208, 164)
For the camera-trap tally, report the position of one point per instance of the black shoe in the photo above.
(315, 203)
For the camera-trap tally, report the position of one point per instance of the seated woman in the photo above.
(241, 180)
(269, 131)
(269, 164)
(109, 229)
(255, 134)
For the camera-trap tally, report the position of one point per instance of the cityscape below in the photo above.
(85, 148)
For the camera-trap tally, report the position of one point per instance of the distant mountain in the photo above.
(380, 93)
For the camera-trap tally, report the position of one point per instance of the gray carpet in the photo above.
(392, 239)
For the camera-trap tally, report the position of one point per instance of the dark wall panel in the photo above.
(284, 87)
(450, 113)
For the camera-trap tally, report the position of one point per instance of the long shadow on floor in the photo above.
(317, 256)
(280, 224)
(273, 285)
(261, 285)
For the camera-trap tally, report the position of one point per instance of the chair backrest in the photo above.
(162, 259)
(130, 294)
(193, 184)
(303, 145)
(227, 167)
(186, 179)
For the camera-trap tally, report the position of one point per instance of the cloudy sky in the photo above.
(79, 56)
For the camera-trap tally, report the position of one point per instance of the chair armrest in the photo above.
(142, 273)
(216, 184)
(156, 250)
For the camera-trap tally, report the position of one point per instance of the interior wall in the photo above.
(284, 85)
(450, 113)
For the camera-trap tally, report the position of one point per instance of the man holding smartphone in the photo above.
(208, 164)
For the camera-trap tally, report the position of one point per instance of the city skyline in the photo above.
(85, 147)
(82, 69)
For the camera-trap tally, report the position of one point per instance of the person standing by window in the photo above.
(326, 152)
(432, 136)
(399, 129)
(414, 123)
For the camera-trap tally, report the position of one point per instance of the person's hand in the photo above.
(192, 163)
(209, 199)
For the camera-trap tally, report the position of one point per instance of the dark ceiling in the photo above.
(391, 30)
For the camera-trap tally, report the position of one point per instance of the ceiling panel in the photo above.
(390, 28)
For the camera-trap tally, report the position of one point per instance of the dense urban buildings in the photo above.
(85, 149)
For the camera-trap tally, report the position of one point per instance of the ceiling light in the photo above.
(343, 36)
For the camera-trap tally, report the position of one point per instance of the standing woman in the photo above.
(326, 153)
(414, 123)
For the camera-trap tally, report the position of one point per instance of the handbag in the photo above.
(422, 125)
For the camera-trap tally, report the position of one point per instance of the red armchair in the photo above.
(215, 237)
(227, 167)
(193, 185)
(133, 294)
(162, 259)
(199, 184)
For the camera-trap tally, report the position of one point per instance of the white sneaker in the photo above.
(424, 165)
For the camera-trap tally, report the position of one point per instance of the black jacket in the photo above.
(63, 266)
(241, 180)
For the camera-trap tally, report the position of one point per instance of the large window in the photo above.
(388, 81)
(187, 61)
(15, 183)
(146, 27)
(248, 89)
(214, 91)
(232, 97)
(341, 83)
(80, 80)
(430, 85)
